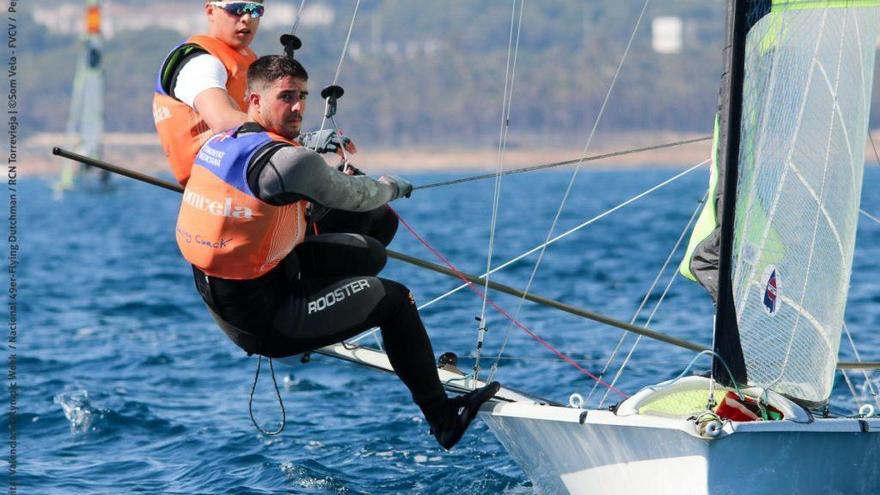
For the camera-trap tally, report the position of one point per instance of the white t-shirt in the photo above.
(198, 74)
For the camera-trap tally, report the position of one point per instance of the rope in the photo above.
(572, 230)
(546, 243)
(582, 159)
(659, 301)
(577, 168)
(501, 310)
(586, 147)
(338, 71)
(852, 390)
(872, 217)
(584, 224)
(874, 145)
(648, 295)
(868, 383)
(277, 394)
(347, 42)
(507, 100)
(632, 349)
(299, 11)
(707, 352)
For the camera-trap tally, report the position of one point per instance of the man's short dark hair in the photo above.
(270, 68)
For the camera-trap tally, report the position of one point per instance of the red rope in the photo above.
(501, 310)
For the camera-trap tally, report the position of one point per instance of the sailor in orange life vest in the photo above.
(200, 91)
(276, 292)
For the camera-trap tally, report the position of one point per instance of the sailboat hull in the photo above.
(567, 450)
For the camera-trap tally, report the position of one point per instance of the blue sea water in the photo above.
(126, 386)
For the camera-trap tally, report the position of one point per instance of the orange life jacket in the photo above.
(223, 228)
(182, 131)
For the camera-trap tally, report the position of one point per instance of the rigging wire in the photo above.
(336, 79)
(347, 42)
(868, 382)
(648, 295)
(476, 289)
(507, 100)
(632, 349)
(299, 12)
(573, 161)
(672, 252)
(849, 384)
(573, 229)
(868, 215)
(575, 172)
(877, 157)
(874, 146)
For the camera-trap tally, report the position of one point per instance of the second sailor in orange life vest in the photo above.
(200, 89)
(278, 293)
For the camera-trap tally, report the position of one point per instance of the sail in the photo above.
(86, 118)
(791, 170)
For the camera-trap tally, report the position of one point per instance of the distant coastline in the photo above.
(141, 152)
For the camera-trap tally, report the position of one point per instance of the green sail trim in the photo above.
(782, 5)
(707, 222)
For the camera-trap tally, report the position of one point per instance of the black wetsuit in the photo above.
(327, 290)
(380, 223)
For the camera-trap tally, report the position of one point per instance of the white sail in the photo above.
(85, 121)
(806, 99)
(86, 118)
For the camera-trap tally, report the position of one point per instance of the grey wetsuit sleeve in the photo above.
(288, 174)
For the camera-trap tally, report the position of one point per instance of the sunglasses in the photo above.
(239, 9)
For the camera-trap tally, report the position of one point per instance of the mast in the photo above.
(726, 341)
(92, 121)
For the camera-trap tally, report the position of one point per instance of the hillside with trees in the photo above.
(433, 72)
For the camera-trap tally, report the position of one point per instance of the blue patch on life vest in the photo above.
(227, 156)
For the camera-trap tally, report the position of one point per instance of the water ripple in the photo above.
(127, 386)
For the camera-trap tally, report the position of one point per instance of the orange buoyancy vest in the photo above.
(182, 131)
(223, 228)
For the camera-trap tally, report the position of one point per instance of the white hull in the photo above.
(567, 450)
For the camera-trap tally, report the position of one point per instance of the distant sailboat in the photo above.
(86, 118)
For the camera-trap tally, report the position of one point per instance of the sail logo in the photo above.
(771, 290)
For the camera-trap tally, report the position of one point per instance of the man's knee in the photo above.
(400, 292)
(341, 254)
(383, 224)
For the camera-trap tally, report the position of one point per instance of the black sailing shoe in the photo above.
(459, 414)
